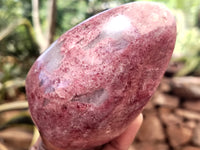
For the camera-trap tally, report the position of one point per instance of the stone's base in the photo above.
(96, 78)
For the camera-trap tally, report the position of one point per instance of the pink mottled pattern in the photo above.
(96, 78)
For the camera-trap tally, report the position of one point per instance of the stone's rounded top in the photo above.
(95, 79)
(156, 15)
(116, 25)
(120, 18)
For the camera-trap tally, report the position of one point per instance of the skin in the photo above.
(122, 142)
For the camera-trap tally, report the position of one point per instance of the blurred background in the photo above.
(28, 27)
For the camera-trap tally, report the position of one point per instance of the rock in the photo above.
(168, 117)
(5, 116)
(164, 85)
(173, 68)
(3, 147)
(151, 146)
(144, 146)
(91, 83)
(149, 105)
(192, 105)
(190, 124)
(187, 114)
(196, 135)
(186, 87)
(166, 100)
(178, 135)
(16, 138)
(191, 148)
(151, 129)
(161, 146)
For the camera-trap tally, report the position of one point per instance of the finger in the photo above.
(37, 145)
(125, 139)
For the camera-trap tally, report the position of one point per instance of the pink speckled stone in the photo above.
(95, 79)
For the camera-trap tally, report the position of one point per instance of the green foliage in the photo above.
(12, 10)
(187, 49)
(70, 13)
(18, 48)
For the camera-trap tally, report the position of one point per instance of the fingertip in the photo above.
(139, 119)
(125, 139)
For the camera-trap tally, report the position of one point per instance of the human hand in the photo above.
(122, 142)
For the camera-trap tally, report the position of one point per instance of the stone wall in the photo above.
(172, 117)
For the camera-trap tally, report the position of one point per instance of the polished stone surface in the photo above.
(95, 79)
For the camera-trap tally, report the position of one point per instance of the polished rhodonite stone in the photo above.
(95, 79)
